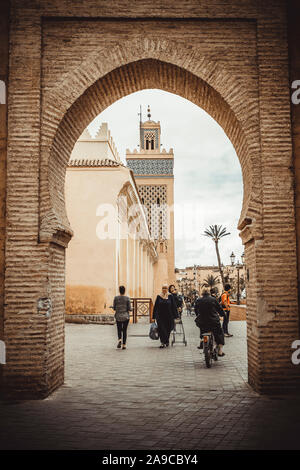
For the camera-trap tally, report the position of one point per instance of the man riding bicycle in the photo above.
(208, 311)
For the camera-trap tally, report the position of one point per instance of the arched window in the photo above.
(147, 144)
(161, 247)
(158, 201)
(160, 224)
(152, 144)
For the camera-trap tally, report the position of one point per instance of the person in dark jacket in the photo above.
(178, 302)
(177, 299)
(208, 311)
(164, 313)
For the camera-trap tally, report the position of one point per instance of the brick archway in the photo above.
(68, 106)
(166, 66)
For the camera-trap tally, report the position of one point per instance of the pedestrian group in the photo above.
(169, 306)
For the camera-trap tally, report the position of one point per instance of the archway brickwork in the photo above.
(218, 59)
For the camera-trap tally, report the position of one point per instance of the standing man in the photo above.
(225, 301)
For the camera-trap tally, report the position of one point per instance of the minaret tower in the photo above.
(153, 170)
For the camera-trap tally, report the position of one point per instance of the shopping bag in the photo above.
(153, 333)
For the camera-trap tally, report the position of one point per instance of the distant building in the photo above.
(112, 245)
(153, 171)
(193, 277)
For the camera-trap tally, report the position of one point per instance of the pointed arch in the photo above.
(81, 96)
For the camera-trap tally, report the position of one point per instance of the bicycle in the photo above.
(210, 349)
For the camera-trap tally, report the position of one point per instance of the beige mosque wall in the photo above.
(90, 261)
(111, 245)
(101, 146)
(89, 300)
(161, 274)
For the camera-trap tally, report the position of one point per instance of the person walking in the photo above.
(177, 299)
(178, 302)
(225, 303)
(208, 311)
(164, 313)
(122, 307)
(188, 308)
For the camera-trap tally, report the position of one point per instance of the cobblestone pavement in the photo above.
(148, 398)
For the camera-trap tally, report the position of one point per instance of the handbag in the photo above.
(153, 333)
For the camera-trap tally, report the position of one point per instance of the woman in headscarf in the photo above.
(164, 313)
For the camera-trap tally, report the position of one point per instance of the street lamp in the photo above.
(238, 267)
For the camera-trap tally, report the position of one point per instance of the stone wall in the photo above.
(238, 312)
(294, 41)
(230, 58)
(4, 36)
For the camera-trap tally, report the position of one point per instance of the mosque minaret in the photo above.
(153, 171)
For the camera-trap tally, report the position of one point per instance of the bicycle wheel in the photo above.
(207, 355)
(215, 355)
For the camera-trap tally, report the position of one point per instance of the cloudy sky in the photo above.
(208, 181)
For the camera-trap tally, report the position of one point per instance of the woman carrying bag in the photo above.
(164, 313)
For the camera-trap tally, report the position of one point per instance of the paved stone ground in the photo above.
(147, 398)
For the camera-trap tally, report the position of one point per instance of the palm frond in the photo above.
(216, 232)
(210, 281)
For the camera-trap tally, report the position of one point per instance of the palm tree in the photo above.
(216, 232)
(211, 281)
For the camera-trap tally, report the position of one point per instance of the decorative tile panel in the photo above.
(154, 199)
(151, 166)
